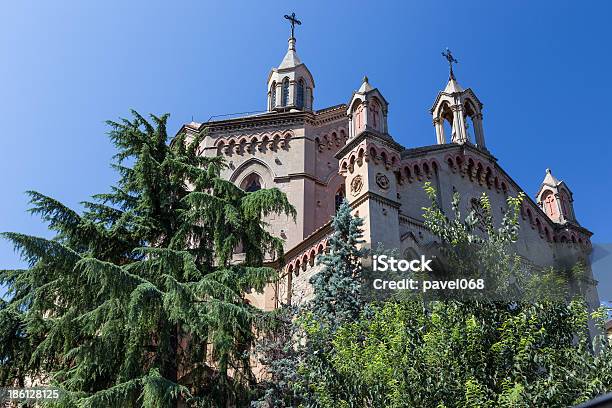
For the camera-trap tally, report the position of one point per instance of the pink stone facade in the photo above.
(318, 157)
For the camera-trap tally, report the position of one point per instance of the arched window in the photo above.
(251, 183)
(549, 204)
(375, 114)
(445, 116)
(273, 95)
(358, 117)
(285, 94)
(471, 130)
(299, 98)
(339, 198)
(565, 205)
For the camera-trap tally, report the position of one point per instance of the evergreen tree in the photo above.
(337, 287)
(136, 301)
(280, 352)
(297, 345)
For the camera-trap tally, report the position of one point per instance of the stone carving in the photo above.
(356, 184)
(382, 181)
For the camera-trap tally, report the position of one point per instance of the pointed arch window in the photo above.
(273, 95)
(339, 198)
(565, 205)
(358, 116)
(285, 92)
(549, 204)
(299, 100)
(375, 113)
(251, 183)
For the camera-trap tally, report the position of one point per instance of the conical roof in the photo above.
(550, 180)
(291, 59)
(365, 86)
(453, 86)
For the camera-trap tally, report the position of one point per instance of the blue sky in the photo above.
(540, 68)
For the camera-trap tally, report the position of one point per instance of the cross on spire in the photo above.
(451, 60)
(293, 21)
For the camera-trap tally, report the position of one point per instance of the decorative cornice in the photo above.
(369, 195)
(313, 238)
(267, 120)
(573, 226)
(337, 117)
(425, 150)
(408, 220)
(330, 114)
(385, 140)
(294, 176)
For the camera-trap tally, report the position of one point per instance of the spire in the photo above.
(452, 86)
(291, 59)
(555, 198)
(367, 110)
(550, 180)
(290, 85)
(365, 86)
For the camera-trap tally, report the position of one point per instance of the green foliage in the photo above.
(475, 246)
(530, 350)
(280, 352)
(477, 355)
(135, 301)
(337, 286)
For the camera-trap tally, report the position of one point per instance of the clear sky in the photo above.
(542, 70)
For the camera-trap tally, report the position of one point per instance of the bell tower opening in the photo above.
(272, 95)
(299, 94)
(375, 114)
(457, 113)
(285, 92)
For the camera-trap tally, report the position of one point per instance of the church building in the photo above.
(318, 157)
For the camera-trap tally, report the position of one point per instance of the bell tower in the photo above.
(290, 85)
(460, 109)
(367, 110)
(368, 163)
(556, 199)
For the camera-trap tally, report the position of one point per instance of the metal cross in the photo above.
(451, 60)
(294, 21)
